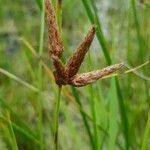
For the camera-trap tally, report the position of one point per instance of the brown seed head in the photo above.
(59, 73)
(90, 77)
(59, 67)
(68, 74)
(55, 43)
(75, 61)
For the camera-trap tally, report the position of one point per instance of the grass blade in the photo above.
(93, 112)
(146, 134)
(99, 33)
(14, 77)
(56, 121)
(113, 125)
(141, 43)
(15, 146)
(123, 115)
(40, 78)
(39, 3)
(77, 98)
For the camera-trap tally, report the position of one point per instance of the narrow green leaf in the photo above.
(40, 77)
(113, 111)
(123, 115)
(39, 3)
(14, 77)
(13, 137)
(146, 134)
(93, 112)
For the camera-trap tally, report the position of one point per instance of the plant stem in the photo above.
(146, 134)
(141, 44)
(59, 14)
(56, 119)
(93, 111)
(11, 130)
(40, 78)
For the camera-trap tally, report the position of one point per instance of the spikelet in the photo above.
(75, 61)
(59, 67)
(55, 44)
(90, 77)
(60, 80)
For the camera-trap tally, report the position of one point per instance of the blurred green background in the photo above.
(115, 115)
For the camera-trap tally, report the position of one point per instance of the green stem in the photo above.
(140, 43)
(14, 141)
(146, 134)
(42, 29)
(56, 119)
(40, 80)
(139, 37)
(58, 8)
(59, 14)
(93, 111)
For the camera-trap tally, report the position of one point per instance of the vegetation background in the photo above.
(110, 114)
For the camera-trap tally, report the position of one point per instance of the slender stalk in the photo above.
(40, 80)
(137, 27)
(11, 130)
(39, 3)
(146, 134)
(141, 44)
(59, 14)
(42, 29)
(56, 119)
(93, 110)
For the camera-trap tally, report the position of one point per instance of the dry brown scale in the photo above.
(67, 74)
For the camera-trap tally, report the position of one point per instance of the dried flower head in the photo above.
(74, 63)
(67, 74)
(90, 77)
(55, 43)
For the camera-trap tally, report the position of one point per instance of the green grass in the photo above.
(94, 20)
(146, 134)
(40, 79)
(112, 113)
